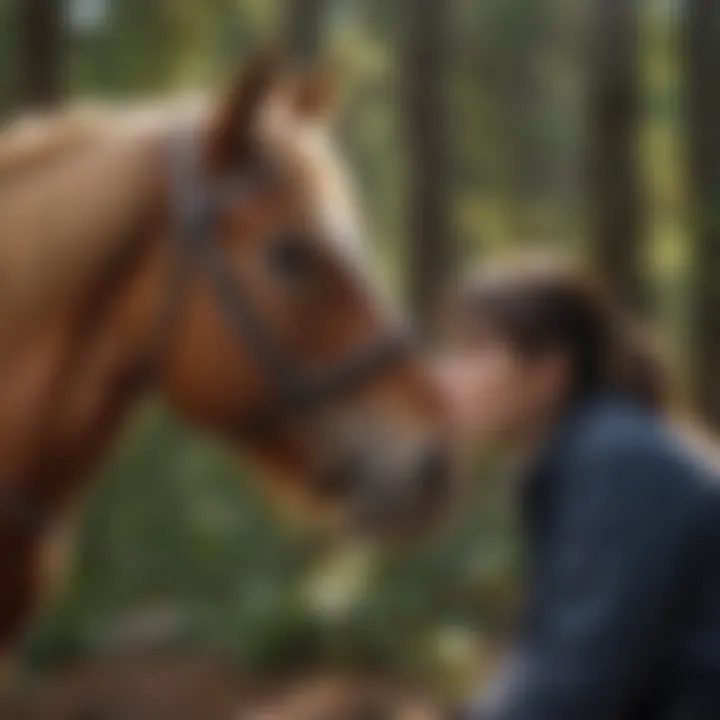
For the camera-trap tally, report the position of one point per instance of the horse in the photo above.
(212, 253)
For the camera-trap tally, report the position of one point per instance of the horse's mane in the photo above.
(70, 185)
(32, 142)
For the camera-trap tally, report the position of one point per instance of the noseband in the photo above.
(197, 206)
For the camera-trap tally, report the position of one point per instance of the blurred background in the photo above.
(472, 125)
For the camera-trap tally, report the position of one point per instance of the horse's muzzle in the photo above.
(389, 497)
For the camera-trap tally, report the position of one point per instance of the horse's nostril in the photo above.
(434, 474)
(339, 480)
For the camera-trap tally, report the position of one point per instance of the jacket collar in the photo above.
(562, 436)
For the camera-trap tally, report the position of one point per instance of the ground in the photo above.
(163, 688)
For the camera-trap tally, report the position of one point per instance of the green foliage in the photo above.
(149, 47)
(177, 544)
(7, 66)
(178, 548)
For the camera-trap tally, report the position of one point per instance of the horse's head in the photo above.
(280, 343)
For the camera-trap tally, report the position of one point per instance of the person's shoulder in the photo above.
(635, 448)
(611, 426)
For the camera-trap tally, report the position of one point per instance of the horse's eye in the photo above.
(291, 259)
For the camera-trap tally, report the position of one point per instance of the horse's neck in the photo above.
(63, 220)
(65, 355)
(82, 277)
(65, 397)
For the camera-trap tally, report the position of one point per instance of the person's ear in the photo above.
(232, 128)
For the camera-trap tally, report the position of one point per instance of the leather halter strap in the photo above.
(197, 206)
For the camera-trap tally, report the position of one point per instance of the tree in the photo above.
(41, 25)
(614, 184)
(702, 53)
(430, 251)
(305, 27)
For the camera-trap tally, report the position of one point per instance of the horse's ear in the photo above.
(315, 95)
(231, 131)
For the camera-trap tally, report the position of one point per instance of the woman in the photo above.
(622, 520)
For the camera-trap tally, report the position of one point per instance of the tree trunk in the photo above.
(305, 27)
(614, 183)
(702, 53)
(41, 28)
(431, 253)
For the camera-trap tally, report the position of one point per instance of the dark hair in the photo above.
(543, 305)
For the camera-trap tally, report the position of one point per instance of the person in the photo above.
(620, 508)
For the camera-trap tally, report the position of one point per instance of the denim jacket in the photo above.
(622, 618)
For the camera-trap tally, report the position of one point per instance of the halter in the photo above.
(197, 207)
